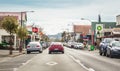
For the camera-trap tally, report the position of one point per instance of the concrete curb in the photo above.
(4, 56)
(14, 55)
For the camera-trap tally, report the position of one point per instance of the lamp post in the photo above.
(22, 25)
(22, 16)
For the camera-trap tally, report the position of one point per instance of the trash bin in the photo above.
(92, 47)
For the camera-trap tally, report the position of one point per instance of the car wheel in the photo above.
(100, 52)
(107, 54)
(28, 52)
(62, 52)
(104, 54)
(40, 51)
(111, 56)
(49, 52)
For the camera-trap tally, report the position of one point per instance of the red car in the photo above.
(56, 47)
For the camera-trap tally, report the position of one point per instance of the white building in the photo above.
(118, 19)
(6, 36)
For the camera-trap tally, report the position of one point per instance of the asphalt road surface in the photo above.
(72, 60)
(92, 60)
(51, 62)
(11, 64)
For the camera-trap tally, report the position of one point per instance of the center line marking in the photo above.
(78, 61)
(52, 63)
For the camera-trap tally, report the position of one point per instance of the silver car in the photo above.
(33, 47)
(113, 49)
(79, 46)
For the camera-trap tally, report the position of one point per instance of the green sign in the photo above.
(99, 28)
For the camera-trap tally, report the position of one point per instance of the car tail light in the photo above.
(38, 46)
(61, 48)
(28, 46)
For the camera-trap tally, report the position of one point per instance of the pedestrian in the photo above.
(85, 44)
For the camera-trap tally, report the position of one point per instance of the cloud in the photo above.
(47, 3)
(55, 15)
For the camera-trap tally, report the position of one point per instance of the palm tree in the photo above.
(10, 24)
(22, 34)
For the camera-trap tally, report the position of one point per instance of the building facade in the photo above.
(118, 19)
(81, 31)
(106, 26)
(21, 18)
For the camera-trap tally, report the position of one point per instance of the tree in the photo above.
(10, 24)
(22, 34)
(63, 36)
(44, 38)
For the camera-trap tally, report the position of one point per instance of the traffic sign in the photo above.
(99, 27)
(35, 29)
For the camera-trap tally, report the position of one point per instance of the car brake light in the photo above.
(28, 46)
(38, 46)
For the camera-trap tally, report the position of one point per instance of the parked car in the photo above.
(56, 47)
(113, 49)
(103, 45)
(33, 47)
(71, 44)
(79, 46)
(44, 45)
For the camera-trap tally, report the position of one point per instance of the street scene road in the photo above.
(10, 64)
(72, 60)
(59, 35)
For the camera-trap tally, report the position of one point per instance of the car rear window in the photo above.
(116, 44)
(34, 44)
(56, 45)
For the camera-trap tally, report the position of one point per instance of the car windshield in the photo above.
(56, 45)
(108, 40)
(33, 43)
(117, 44)
(79, 44)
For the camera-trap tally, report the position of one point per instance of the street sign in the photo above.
(35, 29)
(99, 27)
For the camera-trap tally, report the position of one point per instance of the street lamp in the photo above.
(22, 21)
(87, 20)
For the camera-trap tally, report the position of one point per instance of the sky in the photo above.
(55, 16)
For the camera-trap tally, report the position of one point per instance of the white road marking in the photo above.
(23, 64)
(26, 62)
(78, 61)
(52, 63)
(15, 69)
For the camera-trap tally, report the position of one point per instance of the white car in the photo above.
(33, 47)
(79, 46)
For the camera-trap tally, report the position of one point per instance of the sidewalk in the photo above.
(4, 54)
